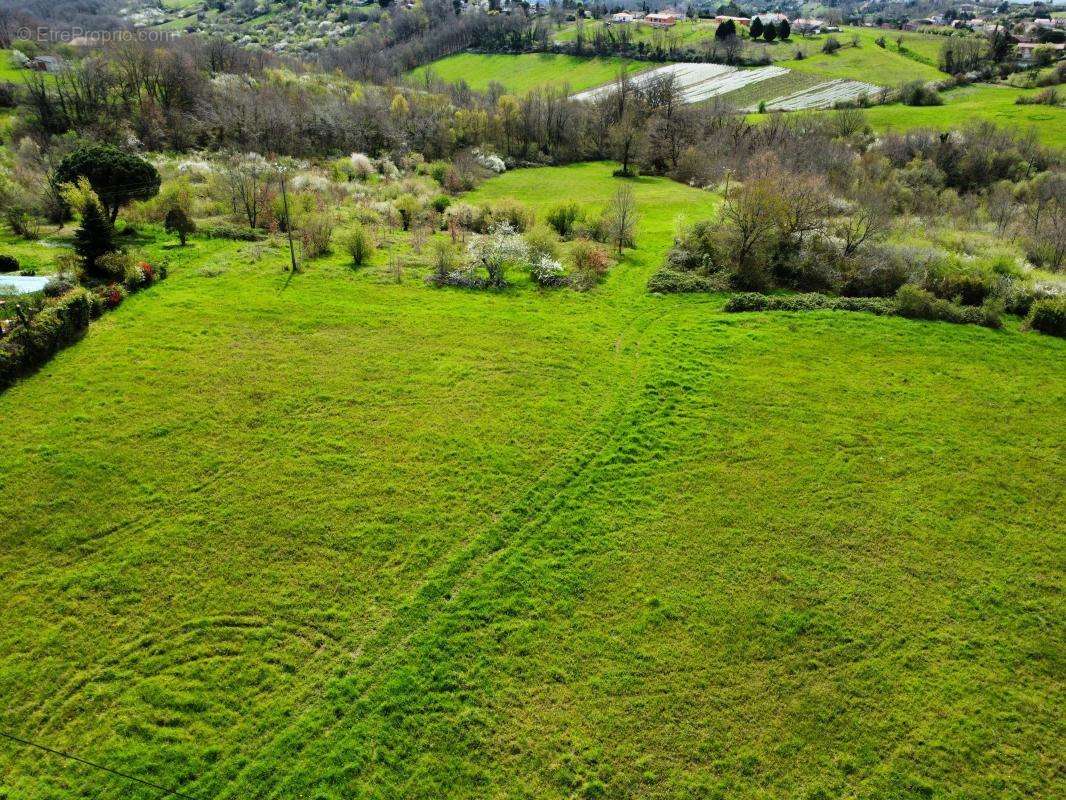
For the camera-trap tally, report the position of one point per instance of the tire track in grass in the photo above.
(434, 596)
(434, 677)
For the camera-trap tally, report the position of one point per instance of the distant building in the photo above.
(662, 19)
(1027, 50)
(622, 18)
(804, 25)
(45, 64)
(745, 21)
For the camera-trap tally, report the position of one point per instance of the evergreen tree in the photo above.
(784, 30)
(726, 30)
(94, 237)
(177, 221)
(756, 28)
(769, 33)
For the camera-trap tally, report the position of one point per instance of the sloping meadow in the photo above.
(331, 536)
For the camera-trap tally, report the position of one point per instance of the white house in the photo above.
(622, 18)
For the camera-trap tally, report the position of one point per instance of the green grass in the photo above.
(868, 62)
(686, 33)
(337, 537)
(10, 73)
(984, 101)
(770, 89)
(522, 73)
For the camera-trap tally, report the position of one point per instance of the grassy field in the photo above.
(522, 73)
(334, 537)
(886, 66)
(686, 33)
(995, 103)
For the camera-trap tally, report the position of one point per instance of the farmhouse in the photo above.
(662, 19)
(622, 18)
(745, 21)
(1027, 50)
(45, 64)
(809, 26)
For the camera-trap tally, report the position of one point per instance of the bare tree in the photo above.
(627, 139)
(1001, 206)
(247, 179)
(622, 216)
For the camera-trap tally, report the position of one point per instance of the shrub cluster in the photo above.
(64, 316)
(234, 233)
(1048, 316)
(910, 301)
(812, 301)
(60, 322)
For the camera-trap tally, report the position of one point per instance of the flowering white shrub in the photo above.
(196, 168)
(389, 171)
(490, 162)
(546, 271)
(495, 250)
(362, 166)
(314, 183)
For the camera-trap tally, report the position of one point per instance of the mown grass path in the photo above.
(337, 537)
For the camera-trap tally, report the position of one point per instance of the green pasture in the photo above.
(525, 72)
(335, 535)
(980, 101)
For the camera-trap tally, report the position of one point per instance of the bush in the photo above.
(667, 281)
(831, 45)
(114, 266)
(445, 263)
(177, 221)
(440, 203)
(60, 322)
(511, 212)
(9, 264)
(465, 216)
(876, 272)
(917, 93)
(1048, 316)
(911, 301)
(748, 301)
(359, 245)
(57, 286)
(563, 218)
(234, 233)
(409, 208)
(969, 288)
(591, 263)
(546, 271)
(316, 234)
(542, 243)
(914, 302)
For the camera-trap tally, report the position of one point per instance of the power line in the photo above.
(166, 792)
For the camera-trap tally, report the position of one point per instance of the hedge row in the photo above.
(911, 302)
(1048, 316)
(62, 321)
(753, 301)
(58, 324)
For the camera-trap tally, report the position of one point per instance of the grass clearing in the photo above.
(867, 62)
(332, 536)
(525, 72)
(980, 101)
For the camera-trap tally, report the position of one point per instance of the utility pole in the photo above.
(288, 219)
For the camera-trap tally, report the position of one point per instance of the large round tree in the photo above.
(116, 176)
